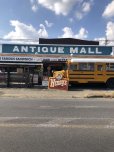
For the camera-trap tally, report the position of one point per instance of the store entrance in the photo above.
(50, 67)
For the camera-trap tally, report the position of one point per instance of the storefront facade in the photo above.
(29, 65)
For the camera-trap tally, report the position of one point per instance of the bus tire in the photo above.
(110, 83)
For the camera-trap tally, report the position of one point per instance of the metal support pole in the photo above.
(8, 77)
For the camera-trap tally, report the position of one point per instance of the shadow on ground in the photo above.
(91, 86)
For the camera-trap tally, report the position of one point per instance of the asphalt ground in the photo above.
(60, 125)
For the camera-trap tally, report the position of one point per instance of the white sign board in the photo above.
(20, 59)
(44, 83)
(29, 59)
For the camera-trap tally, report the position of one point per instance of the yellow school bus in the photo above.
(89, 70)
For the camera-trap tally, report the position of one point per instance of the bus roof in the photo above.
(93, 60)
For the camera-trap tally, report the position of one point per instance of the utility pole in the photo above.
(106, 41)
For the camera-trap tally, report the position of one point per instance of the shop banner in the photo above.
(56, 49)
(29, 59)
(20, 59)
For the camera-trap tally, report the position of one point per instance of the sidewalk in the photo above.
(54, 94)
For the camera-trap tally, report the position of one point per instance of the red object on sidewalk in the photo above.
(61, 84)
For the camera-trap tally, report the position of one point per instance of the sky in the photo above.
(34, 19)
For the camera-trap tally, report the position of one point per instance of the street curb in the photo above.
(54, 94)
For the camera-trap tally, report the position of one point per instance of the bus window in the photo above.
(91, 66)
(82, 66)
(99, 67)
(86, 66)
(73, 67)
(110, 66)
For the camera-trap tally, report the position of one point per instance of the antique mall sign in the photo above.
(56, 49)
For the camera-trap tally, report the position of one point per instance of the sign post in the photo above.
(58, 82)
